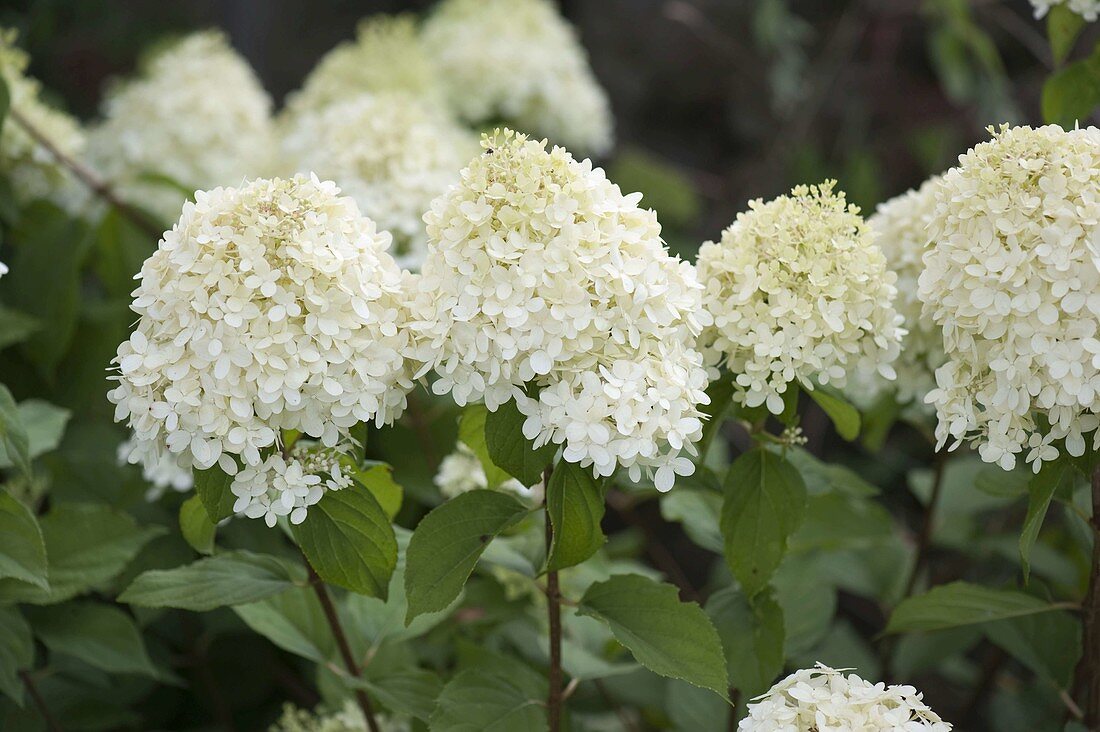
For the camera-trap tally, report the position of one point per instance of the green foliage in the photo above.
(195, 525)
(13, 433)
(667, 636)
(574, 500)
(1072, 93)
(349, 541)
(471, 432)
(448, 542)
(23, 551)
(228, 578)
(100, 635)
(212, 487)
(1041, 490)
(844, 416)
(962, 603)
(510, 450)
(1063, 27)
(16, 652)
(491, 700)
(752, 636)
(377, 478)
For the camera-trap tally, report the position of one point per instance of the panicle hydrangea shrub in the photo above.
(901, 232)
(823, 698)
(1013, 279)
(519, 61)
(541, 272)
(799, 291)
(389, 152)
(385, 56)
(32, 170)
(1087, 9)
(273, 306)
(196, 116)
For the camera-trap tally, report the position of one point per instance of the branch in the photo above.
(554, 697)
(1088, 668)
(51, 721)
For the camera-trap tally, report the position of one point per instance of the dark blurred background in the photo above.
(716, 101)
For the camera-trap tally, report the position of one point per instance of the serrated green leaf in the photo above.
(229, 578)
(86, 546)
(471, 432)
(349, 541)
(22, 548)
(843, 415)
(294, 621)
(490, 700)
(212, 486)
(448, 542)
(411, 692)
(961, 603)
(575, 502)
(510, 450)
(13, 433)
(752, 637)
(16, 652)
(378, 479)
(1040, 490)
(1063, 27)
(765, 499)
(669, 637)
(44, 423)
(100, 635)
(195, 525)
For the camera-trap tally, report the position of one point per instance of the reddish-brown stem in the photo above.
(553, 605)
(342, 644)
(51, 721)
(1089, 669)
(928, 522)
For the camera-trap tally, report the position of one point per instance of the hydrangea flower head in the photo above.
(34, 172)
(385, 56)
(519, 61)
(270, 307)
(1087, 9)
(287, 485)
(800, 292)
(197, 117)
(389, 152)
(823, 698)
(901, 231)
(542, 275)
(1013, 279)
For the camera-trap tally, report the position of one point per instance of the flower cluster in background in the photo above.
(540, 271)
(823, 698)
(462, 472)
(1087, 9)
(1012, 279)
(197, 117)
(798, 291)
(347, 719)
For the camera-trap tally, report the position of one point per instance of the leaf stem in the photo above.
(1088, 671)
(924, 538)
(87, 176)
(51, 721)
(554, 698)
(342, 643)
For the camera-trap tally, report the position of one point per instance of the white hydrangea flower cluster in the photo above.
(270, 307)
(1013, 278)
(822, 698)
(901, 231)
(389, 152)
(34, 172)
(348, 719)
(197, 116)
(541, 272)
(799, 291)
(3, 269)
(521, 62)
(289, 485)
(385, 56)
(162, 469)
(462, 472)
(1087, 9)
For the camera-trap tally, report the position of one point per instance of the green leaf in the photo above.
(16, 652)
(962, 603)
(471, 432)
(764, 504)
(86, 546)
(697, 510)
(15, 327)
(378, 479)
(22, 549)
(412, 692)
(752, 637)
(1049, 644)
(490, 700)
(195, 525)
(510, 450)
(349, 541)
(1040, 490)
(691, 709)
(229, 578)
(13, 434)
(1072, 93)
(212, 486)
(667, 636)
(575, 502)
(448, 542)
(45, 424)
(100, 635)
(1063, 27)
(844, 416)
(294, 621)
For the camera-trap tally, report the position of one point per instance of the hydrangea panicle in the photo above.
(1012, 280)
(823, 698)
(519, 61)
(800, 292)
(287, 485)
(541, 272)
(273, 306)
